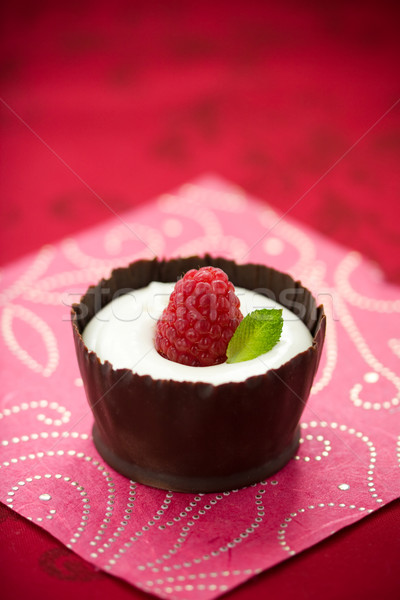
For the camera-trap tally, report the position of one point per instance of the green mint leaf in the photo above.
(256, 334)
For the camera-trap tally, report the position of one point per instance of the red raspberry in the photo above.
(200, 319)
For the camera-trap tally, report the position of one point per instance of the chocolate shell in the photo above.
(198, 437)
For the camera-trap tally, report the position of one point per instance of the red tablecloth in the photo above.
(105, 106)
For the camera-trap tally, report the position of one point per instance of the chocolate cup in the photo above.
(198, 437)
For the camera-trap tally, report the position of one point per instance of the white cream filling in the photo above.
(122, 333)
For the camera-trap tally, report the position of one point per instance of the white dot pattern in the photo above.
(197, 545)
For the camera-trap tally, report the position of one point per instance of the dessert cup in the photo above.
(195, 436)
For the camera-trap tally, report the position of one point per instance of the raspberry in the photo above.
(200, 319)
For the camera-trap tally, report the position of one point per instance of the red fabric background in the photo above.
(105, 106)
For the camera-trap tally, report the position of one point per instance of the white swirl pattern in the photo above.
(9, 315)
(188, 545)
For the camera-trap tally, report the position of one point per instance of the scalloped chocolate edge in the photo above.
(198, 437)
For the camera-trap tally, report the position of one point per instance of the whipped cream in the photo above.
(122, 333)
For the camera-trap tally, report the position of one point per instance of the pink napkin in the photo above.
(187, 545)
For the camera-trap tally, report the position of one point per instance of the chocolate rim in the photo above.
(196, 436)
